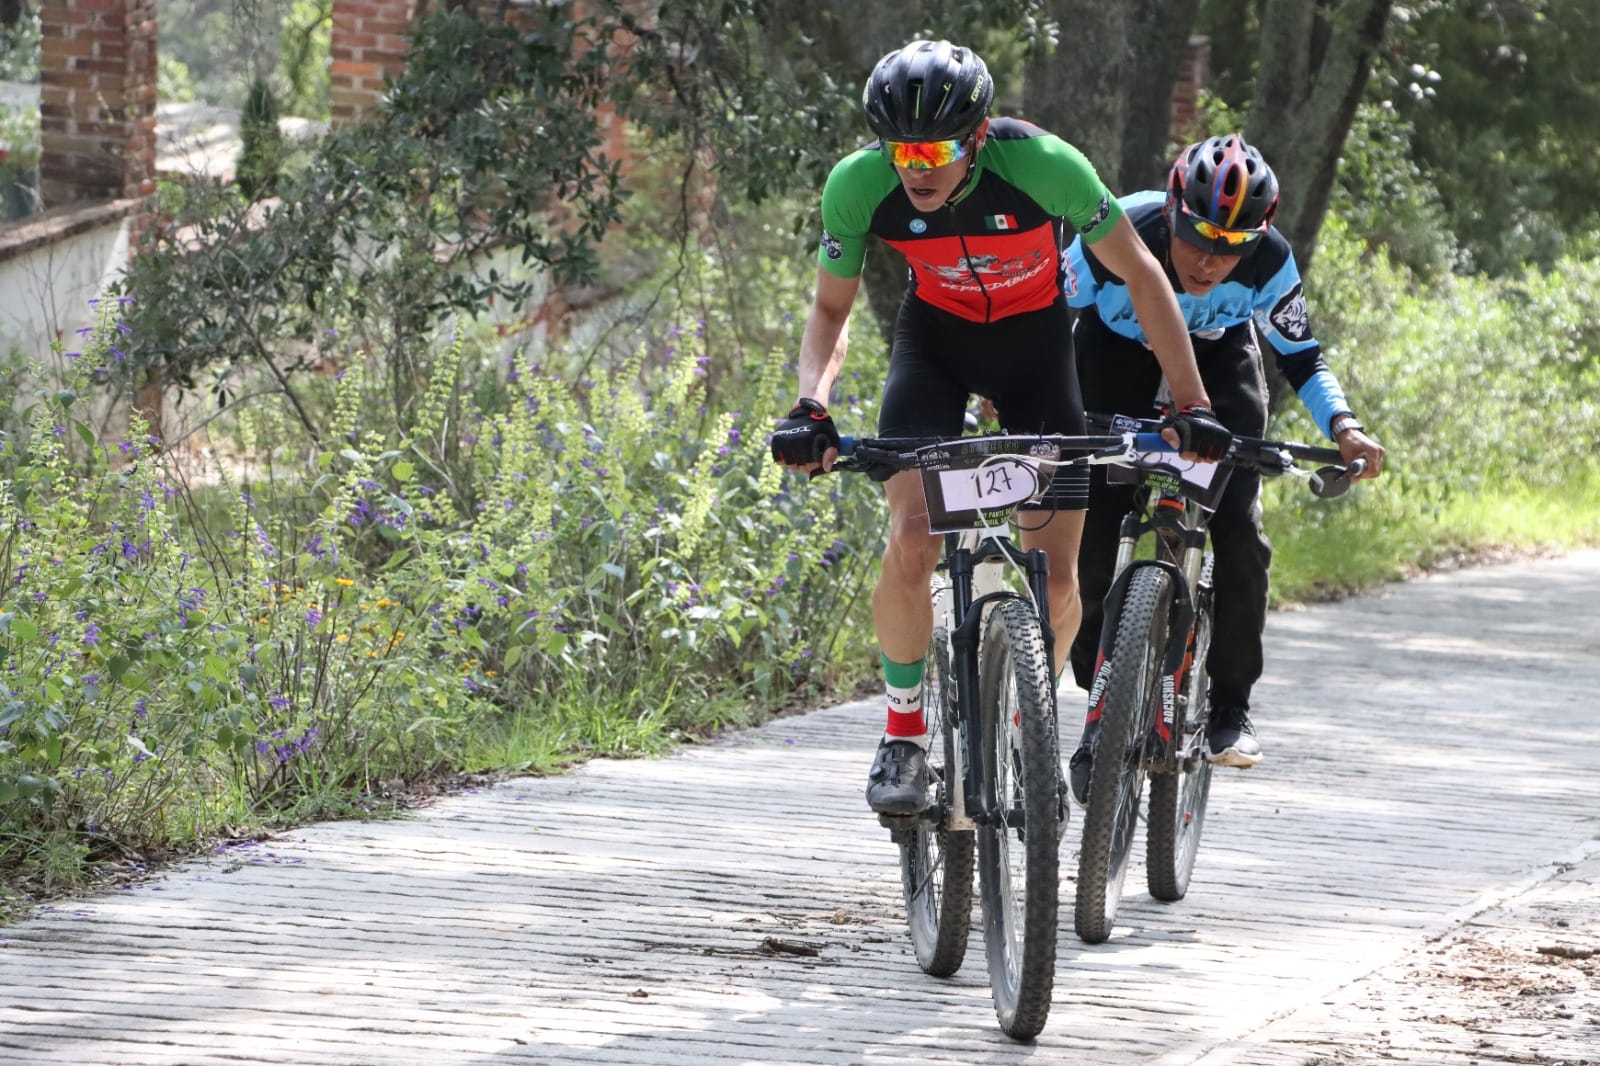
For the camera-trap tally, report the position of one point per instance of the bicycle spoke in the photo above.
(934, 869)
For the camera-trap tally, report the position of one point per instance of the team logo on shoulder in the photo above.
(918, 226)
(832, 246)
(1102, 213)
(1290, 315)
(1069, 277)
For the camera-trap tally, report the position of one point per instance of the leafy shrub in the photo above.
(179, 659)
(1480, 389)
(162, 680)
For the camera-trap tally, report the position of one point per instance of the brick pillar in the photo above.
(97, 100)
(1194, 71)
(369, 41)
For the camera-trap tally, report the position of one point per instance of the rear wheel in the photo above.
(1178, 799)
(935, 862)
(1017, 848)
(1116, 780)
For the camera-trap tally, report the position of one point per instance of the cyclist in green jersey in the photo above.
(979, 207)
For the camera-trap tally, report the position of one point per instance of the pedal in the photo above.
(908, 823)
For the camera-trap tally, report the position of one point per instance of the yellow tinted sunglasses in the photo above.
(1213, 232)
(924, 155)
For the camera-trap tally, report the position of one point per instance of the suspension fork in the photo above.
(975, 802)
(962, 784)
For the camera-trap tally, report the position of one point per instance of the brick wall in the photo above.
(1194, 71)
(97, 101)
(369, 41)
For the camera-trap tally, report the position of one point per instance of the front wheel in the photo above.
(1116, 778)
(1178, 799)
(936, 862)
(1018, 837)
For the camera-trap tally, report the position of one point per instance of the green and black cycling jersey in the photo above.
(995, 250)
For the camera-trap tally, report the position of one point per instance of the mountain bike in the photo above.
(997, 794)
(1150, 682)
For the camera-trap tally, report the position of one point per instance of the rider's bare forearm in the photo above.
(827, 334)
(822, 352)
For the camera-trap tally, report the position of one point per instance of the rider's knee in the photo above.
(911, 549)
(1063, 587)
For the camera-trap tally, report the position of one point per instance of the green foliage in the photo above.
(1505, 98)
(162, 680)
(173, 81)
(489, 142)
(19, 160)
(1484, 394)
(19, 49)
(261, 145)
(303, 57)
(554, 565)
(19, 123)
(221, 45)
(1387, 198)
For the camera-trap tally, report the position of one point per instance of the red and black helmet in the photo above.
(927, 91)
(1221, 195)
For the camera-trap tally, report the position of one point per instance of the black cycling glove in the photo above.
(804, 435)
(1200, 432)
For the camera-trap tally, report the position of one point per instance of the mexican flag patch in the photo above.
(1000, 221)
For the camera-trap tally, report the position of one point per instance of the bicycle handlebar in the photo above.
(1271, 458)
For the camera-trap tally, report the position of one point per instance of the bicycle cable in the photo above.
(1093, 459)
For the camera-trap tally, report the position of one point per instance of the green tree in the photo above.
(490, 140)
(1315, 59)
(1508, 128)
(1108, 89)
(303, 45)
(261, 145)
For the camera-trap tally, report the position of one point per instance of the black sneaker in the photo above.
(1230, 738)
(1080, 764)
(898, 783)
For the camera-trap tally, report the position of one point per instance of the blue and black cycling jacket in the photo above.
(1265, 286)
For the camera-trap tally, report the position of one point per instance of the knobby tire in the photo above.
(1116, 777)
(935, 862)
(1177, 812)
(1020, 755)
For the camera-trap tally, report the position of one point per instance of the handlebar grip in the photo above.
(1152, 442)
(847, 445)
(1357, 468)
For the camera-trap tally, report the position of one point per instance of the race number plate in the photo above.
(1202, 482)
(979, 482)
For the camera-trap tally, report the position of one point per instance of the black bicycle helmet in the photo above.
(1225, 182)
(927, 91)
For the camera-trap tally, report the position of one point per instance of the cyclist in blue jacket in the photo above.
(1235, 278)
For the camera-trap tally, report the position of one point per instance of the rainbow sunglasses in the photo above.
(924, 155)
(1213, 232)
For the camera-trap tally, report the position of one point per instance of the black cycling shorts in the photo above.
(1022, 363)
